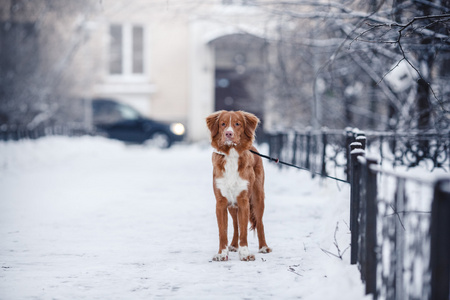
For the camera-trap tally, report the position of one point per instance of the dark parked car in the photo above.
(122, 122)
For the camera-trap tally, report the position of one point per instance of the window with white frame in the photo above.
(126, 50)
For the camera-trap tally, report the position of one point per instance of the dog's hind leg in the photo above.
(257, 212)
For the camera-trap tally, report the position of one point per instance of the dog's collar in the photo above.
(218, 152)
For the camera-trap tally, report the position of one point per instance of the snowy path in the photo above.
(89, 218)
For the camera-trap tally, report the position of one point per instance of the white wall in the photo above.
(201, 75)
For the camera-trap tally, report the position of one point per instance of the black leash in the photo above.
(276, 160)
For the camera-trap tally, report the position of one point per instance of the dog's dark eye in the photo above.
(237, 124)
(223, 124)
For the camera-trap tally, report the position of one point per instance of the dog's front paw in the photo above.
(265, 249)
(222, 256)
(245, 255)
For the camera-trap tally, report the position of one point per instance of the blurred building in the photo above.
(180, 60)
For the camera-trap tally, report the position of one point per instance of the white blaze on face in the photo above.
(229, 127)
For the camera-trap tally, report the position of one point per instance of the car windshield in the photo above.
(110, 113)
(128, 113)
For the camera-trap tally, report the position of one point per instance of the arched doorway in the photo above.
(240, 64)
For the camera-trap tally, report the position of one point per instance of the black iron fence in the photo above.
(411, 149)
(326, 151)
(400, 231)
(400, 222)
(14, 133)
(321, 152)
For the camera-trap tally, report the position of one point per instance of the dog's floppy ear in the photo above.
(212, 121)
(251, 122)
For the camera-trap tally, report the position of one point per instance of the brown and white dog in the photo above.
(238, 180)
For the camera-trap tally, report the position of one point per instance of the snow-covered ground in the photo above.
(91, 218)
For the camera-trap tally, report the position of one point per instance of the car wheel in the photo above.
(159, 140)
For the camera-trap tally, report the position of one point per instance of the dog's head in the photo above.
(232, 129)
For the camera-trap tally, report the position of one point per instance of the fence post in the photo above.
(323, 171)
(348, 141)
(294, 149)
(440, 241)
(381, 149)
(308, 149)
(398, 260)
(361, 138)
(301, 155)
(355, 175)
(280, 145)
(371, 229)
(274, 144)
(447, 146)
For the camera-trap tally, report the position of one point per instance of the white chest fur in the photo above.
(231, 184)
